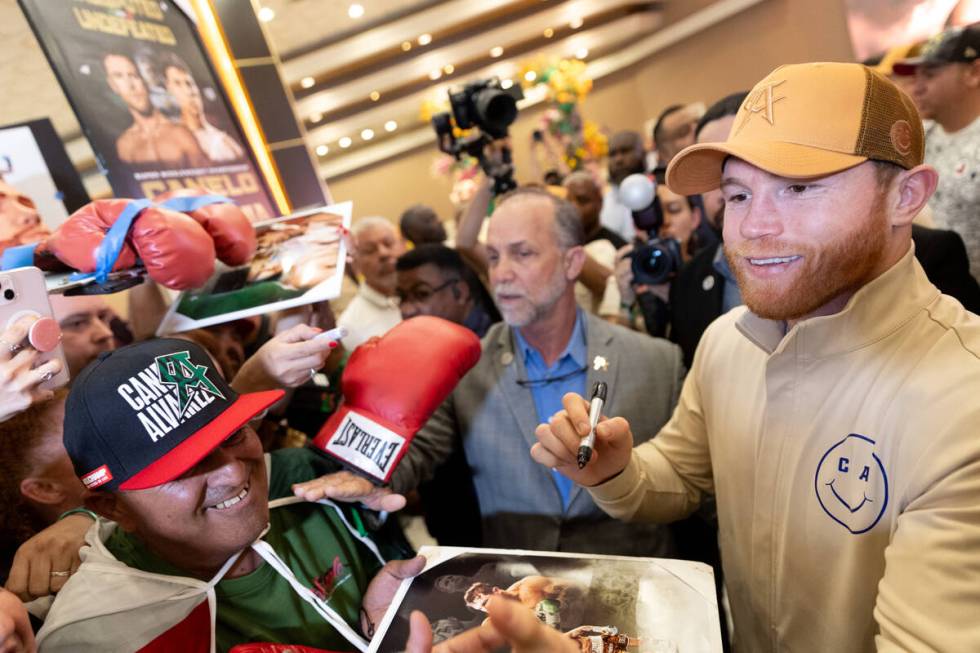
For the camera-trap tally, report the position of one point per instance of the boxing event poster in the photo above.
(608, 604)
(147, 98)
(299, 260)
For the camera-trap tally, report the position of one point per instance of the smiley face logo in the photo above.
(851, 484)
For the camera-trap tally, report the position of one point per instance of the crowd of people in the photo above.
(794, 404)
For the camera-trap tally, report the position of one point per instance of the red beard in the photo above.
(824, 273)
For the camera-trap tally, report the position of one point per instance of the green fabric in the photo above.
(311, 540)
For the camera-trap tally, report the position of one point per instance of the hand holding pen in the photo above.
(580, 426)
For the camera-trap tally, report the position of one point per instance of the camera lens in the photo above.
(9, 294)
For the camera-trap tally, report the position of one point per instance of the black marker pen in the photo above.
(595, 410)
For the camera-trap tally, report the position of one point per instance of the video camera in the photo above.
(491, 108)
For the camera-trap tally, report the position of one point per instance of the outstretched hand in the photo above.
(509, 623)
(285, 361)
(350, 488)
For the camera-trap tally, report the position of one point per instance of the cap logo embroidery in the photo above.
(178, 371)
(901, 137)
(761, 102)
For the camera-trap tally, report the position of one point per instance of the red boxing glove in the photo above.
(391, 387)
(177, 252)
(266, 647)
(231, 230)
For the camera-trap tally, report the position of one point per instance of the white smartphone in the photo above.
(23, 291)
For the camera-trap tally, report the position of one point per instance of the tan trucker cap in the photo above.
(809, 120)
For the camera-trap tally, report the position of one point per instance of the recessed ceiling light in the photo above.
(316, 117)
(345, 142)
(496, 51)
(530, 75)
(575, 23)
(307, 82)
(391, 126)
(435, 74)
(322, 150)
(507, 83)
(548, 33)
(425, 39)
(355, 10)
(367, 134)
(266, 14)
(375, 96)
(448, 69)
(581, 53)
(406, 46)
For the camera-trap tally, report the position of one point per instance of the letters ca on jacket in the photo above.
(851, 484)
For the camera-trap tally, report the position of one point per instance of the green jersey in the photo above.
(316, 545)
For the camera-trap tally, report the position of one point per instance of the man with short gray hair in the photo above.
(375, 247)
(545, 347)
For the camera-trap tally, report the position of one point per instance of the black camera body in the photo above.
(656, 261)
(490, 108)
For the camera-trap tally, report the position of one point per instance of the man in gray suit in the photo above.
(545, 348)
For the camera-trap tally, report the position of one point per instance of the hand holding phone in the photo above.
(32, 362)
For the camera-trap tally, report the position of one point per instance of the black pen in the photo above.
(595, 410)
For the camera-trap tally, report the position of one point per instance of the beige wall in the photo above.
(728, 57)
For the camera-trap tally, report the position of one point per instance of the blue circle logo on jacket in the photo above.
(851, 484)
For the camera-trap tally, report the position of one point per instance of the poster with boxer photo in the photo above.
(299, 260)
(605, 603)
(147, 99)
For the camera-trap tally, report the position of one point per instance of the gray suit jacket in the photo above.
(493, 419)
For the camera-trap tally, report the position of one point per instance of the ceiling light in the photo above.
(530, 75)
(581, 53)
(307, 82)
(355, 10)
(435, 74)
(548, 33)
(367, 134)
(316, 117)
(391, 126)
(406, 46)
(576, 23)
(375, 96)
(266, 14)
(322, 150)
(345, 142)
(507, 83)
(496, 51)
(448, 69)
(425, 39)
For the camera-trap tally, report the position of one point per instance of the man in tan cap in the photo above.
(835, 416)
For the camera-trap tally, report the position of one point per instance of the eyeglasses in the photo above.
(422, 292)
(536, 383)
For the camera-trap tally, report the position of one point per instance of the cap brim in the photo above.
(907, 67)
(195, 448)
(698, 168)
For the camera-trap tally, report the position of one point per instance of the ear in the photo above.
(43, 491)
(972, 77)
(110, 506)
(910, 192)
(574, 261)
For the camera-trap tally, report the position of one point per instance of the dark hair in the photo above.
(449, 261)
(171, 60)
(674, 108)
(444, 258)
(413, 215)
(726, 106)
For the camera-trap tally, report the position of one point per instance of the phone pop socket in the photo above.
(44, 335)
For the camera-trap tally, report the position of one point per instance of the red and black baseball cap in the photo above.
(955, 45)
(143, 415)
